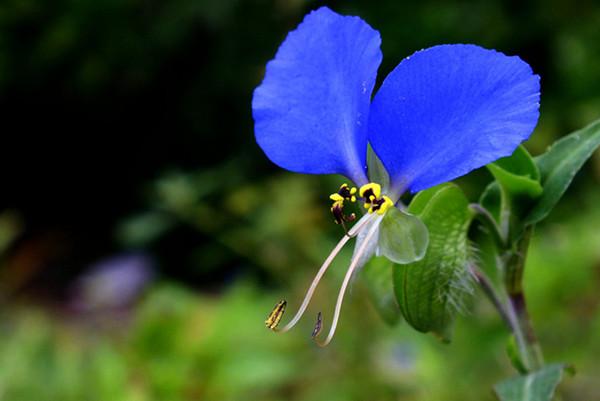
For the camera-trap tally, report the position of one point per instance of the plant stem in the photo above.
(504, 310)
(512, 306)
(488, 289)
(514, 267)
(485, 217)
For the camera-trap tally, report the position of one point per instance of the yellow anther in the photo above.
(336, 197)
(275, 316)
(353, 198)
(353, 190)
(374, 202)
(387, 203)
(369, 189)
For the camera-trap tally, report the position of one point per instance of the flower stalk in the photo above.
(511, 307)
(513, 281)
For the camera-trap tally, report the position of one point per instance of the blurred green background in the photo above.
(144, 237)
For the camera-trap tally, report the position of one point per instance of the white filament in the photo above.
(313, 286)
(353, 266)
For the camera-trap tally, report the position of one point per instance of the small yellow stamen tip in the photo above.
(385, 205)
(275, 316)
(336, 197)
(353, 191)
(353, 198)
(373, 186)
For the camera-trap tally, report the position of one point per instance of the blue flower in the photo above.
(441, 113)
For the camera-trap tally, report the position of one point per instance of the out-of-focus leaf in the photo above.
(377, 275)
(512, 350)
(403, 238)
(10, 227)
(536, 386)
(559, 165)
(430, 291)
(517, 174)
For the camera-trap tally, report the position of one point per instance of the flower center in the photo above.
(376, 205)
(374, 202)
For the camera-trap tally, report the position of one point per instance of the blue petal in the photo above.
(449, 109)
(311, 110)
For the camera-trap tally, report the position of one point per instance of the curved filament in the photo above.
(353, 266)
(313, 286)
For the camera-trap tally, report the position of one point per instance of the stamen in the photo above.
(345, 193)
(370, 191)
(381, 205)
(313, 286)
(349, 274)
(275, 316)
(318, 325)
(336, 197)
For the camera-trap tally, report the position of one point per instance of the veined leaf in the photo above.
(559, 165)
(430, 291)
(535, 386)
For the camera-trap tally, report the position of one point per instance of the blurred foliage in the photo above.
(127, 128)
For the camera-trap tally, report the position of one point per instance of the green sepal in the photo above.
(403, 238)
(517, 174)
(377, 275)
(430, 291)
(376, 170)
(536, 386)
(559, 165)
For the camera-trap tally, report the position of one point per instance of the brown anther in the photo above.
(318, 325)
(338, 212)
(377, 204)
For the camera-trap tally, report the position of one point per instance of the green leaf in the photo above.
(377, 274)
(536, 386)
(376, 170)
(491, 199)
(512, 350)
(559, 165)
(430, 291)
(403, 238)
(517, 174)
(510, 197)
